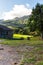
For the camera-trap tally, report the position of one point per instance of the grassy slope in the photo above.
(32, 57)
(32, 41)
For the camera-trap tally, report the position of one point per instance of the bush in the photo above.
(35, 33)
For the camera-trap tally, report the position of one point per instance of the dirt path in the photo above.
(12, 55)
(9, 56)
(15, 55)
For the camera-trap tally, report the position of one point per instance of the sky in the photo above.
(10, 9)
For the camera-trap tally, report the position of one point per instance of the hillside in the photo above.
(17, 22)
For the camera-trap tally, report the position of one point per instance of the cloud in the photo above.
(17, 11)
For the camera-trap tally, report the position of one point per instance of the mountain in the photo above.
(17, 22)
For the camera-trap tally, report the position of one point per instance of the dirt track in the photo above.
(12, 55)
(9, 56)
(15, 55)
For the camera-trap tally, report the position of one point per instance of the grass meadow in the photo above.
(32, 57)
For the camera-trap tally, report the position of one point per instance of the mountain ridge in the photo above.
(17, 22)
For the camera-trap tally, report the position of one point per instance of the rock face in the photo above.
(8, 56)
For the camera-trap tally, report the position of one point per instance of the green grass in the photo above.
(33, 57)
(39, 63)
(29, 60)
(33, 41)
(20, 42)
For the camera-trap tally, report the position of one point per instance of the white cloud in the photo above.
(17, 11)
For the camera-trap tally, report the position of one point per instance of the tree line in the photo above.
(35, 22)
